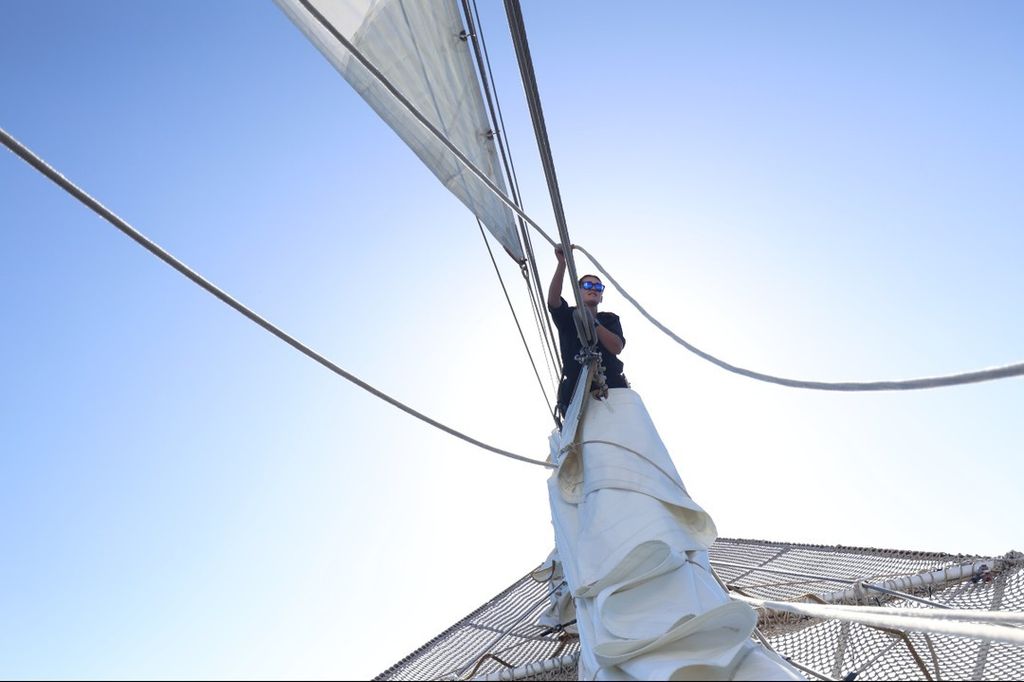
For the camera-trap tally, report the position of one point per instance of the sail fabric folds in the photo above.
(633, 547)
(416, 45)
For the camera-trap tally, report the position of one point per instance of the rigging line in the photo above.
(473, 28)
(760, 636)
(978, 376)
(537, 322)
(465, 184)
(924, 620)
(757, 586)
(1006, 619)
(540, 309)
(401, 99)
(544, 326)
(478, 54)
(529, 638)
(515, 317)
(904, 595)
(505, 149)
(430, 127)
(912, 384)
(101, 210)
(476, 41)
(874, 659)
(522, 47)
(423, 120)
(762, 569)
(480, 651)
(796, 664)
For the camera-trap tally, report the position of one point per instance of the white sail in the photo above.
(416, 45)
(633, 547)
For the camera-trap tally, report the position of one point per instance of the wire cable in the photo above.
(475, 38)
(993, 626)
(98, 208)
(540, 382)
(505, 149)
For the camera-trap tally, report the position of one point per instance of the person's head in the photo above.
(591, 290)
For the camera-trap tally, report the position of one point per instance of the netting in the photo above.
(502, 639)
(500, 635)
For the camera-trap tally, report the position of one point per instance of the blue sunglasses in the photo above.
(596, 286)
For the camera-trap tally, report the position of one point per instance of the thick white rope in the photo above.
(975, 624)
(148, 244)
(902, 385)
(764, 640)
(952, 614)
(908, 582)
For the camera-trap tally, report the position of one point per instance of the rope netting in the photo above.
(502, 640)
(503, 634)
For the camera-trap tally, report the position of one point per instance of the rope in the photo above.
(485, 648)
(904, 385)
(533, 670)
(483, 62)
(630, 450)
(538, 321)
(547, 401)
(796, 664)
(810, 576)
(506, 151)
(440, 136)
(1000, 618)
(205, 284)
(987, 625)
(910, 384)
(874, 659)
(764, 640)
(904, 595)
(481, 661)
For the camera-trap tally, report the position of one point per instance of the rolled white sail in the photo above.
(416, 45)
(633, 549)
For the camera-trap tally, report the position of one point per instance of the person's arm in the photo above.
(612, 342)
(555, 290)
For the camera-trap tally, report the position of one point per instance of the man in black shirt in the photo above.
(606, 325)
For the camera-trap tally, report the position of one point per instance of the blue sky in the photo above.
(822, 191)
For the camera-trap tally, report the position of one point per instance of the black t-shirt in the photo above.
(569, 343)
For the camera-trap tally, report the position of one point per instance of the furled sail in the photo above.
(633, 547)
(417, 46)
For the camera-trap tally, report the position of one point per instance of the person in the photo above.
(606, 325)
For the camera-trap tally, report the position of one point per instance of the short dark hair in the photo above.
(580, 283)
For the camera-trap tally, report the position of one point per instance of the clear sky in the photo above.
(826, 191)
